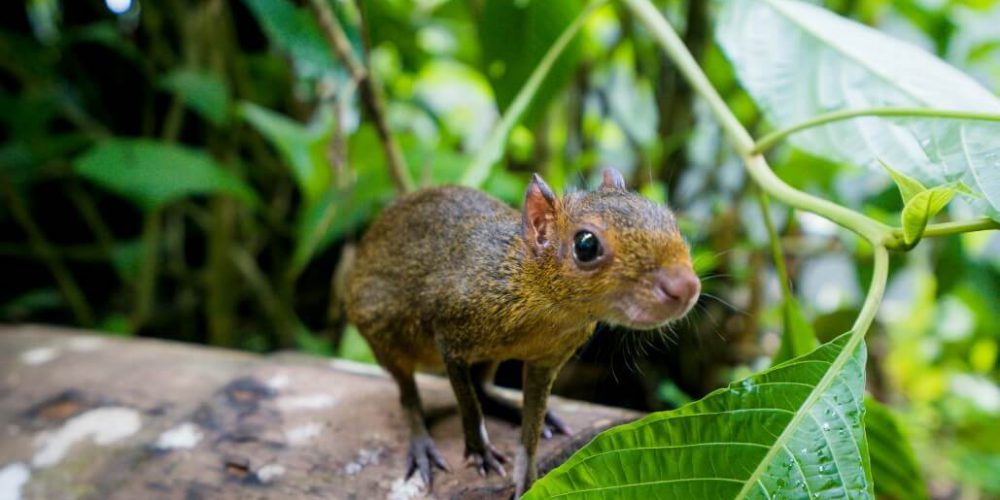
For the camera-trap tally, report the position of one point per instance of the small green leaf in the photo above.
(798, 338)
(303, 147)
(894, 466)
(921, 208)
(964, 189)
(908, 186)
(152, 174)
(203, 92)
(793, 431)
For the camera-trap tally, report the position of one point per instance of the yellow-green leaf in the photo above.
(908, 186)
(919, 210)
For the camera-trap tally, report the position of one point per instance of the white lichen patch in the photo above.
(308, 402)
(278, 381)
(182, 437)
(13, 477)
(406, 489)
(366, 457)
(270, 472)
(85, 344)
(103, 426)
(42, 355)
(39, 355)
(303, 433)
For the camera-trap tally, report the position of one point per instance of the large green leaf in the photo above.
(152, 173)
(793, 431)
(798, 61)
(894, 466)
(304, 147)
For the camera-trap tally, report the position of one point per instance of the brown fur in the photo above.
(450, 273)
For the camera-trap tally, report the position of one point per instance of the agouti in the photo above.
(452, 276)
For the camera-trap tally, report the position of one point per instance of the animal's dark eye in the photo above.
(586, 246)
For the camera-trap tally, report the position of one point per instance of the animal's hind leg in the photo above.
(423, 455)
(498, 406)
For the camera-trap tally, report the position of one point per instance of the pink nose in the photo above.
(678, 285)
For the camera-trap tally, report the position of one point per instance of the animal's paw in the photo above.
(486, 460)
(423, 456)
(555, 425)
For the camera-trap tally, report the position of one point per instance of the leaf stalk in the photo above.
(958, 227)
(770, 140)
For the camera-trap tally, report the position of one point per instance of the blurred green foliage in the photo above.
(193, 170)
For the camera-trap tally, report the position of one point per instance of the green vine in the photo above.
(770, 140)
(870, 229)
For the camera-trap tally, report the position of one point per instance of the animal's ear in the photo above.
(613, 180)
(538, 218)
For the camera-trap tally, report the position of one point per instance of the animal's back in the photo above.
(420, 256)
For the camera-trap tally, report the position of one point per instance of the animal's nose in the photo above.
(677, 284)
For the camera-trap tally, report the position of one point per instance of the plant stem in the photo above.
(371, 95)
(769, 140)
(91, 215)
(776, 252)
(491, 152)
(279, 311)
(220, 302)
(757, 166)
(957, 227)
(875, 292)
(146, 287)
(40, 245)
(868, 228)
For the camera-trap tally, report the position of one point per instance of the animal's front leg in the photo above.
(478, 450)
(538, 378)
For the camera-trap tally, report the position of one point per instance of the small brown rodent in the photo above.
(451, 276)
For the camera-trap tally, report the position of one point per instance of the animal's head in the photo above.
(617, 255)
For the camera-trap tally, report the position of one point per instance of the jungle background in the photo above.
(194, 170)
